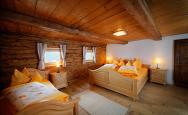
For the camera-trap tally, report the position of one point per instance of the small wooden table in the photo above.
(59, 80)
(158, 76)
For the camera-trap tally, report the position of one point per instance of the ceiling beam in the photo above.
(141, 13)
(50, 26)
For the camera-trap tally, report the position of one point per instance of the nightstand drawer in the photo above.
(158, 76)
(59, 80)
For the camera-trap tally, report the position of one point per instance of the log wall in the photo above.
(19, 51)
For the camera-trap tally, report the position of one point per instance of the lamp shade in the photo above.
(57, 64)
(157, 60)
(108, 59)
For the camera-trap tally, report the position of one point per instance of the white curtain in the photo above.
(84, 54)
(94, 54)
(41, 48)
(63, 54)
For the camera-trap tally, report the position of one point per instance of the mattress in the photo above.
(26, 94)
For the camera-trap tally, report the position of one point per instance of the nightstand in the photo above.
(59, 80)
(158, 76)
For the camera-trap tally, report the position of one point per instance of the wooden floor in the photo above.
(154, 99)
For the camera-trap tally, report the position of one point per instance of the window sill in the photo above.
(50, 64)
(89, 61)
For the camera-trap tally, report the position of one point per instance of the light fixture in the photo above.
(157, 61)
(108, 59)
(58, 66)
(120, 33)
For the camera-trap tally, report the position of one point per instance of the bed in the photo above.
(39, 98)
(118, 82)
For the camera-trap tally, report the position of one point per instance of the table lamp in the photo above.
(108, 59)
(157, 61)
(58, 67)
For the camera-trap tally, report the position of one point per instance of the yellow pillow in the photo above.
(128, 63)
(26, 72)
(19, 78)
(115, 62)
(36, 77)
(121, 63)
(138, 64)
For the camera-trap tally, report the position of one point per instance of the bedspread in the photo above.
(23, 95)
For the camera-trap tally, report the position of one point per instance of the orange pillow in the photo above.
(121, 63)
(36, 77)
(116, 62)
(128, 63)
(138, 63)
(19, 78)
(26, 72)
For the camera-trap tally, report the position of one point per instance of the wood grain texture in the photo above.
(104, 17)
(170, 16)
(28, 6)
(19, 51)
(140, 11)
(158, 76)
(111, 79)
(53, 27)
(82, 15)
(181, 62)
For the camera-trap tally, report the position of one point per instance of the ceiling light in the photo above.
(120, 33)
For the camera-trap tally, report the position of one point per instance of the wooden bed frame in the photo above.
(52, 107)
(117, 82)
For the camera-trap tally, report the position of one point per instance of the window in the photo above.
(89, 57)
(89, 54)
(52, 55)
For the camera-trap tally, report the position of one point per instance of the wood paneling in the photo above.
(140, 11)
(19, 51)
(103, 17)
(170, 16)
(54, 28)
(25, 6)
(46, 10)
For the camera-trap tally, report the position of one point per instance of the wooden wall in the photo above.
(19, 51)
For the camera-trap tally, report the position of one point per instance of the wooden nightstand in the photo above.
(158, 76)
(59, 80)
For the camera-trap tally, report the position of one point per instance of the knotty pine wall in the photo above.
(19, 51)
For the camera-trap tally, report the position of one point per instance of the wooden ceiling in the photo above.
(171, 16)
(94, 20)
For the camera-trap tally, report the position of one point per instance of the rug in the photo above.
(96, 104)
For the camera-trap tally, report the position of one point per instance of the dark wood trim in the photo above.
(141, 12)
(178, 75)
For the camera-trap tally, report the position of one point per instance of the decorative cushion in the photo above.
(36, 77)
(115, 61)
(26, 72)
(121, 62)
(19, 78)
(44, 74)
(138, 63)
(128, 70)
(128, 63)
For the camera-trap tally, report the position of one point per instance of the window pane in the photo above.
(89, 56)
(52, 56)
